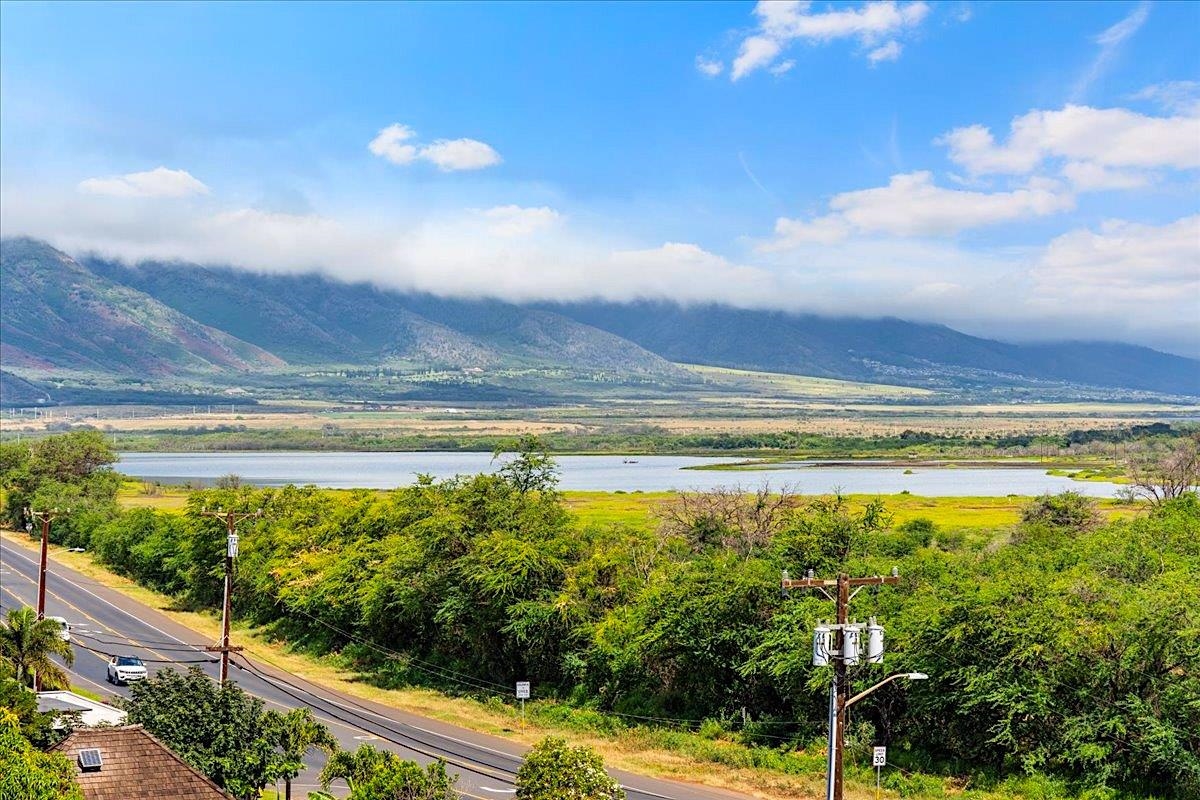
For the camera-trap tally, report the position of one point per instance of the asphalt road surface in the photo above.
(105, 623)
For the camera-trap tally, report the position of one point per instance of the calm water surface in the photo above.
(596, 473)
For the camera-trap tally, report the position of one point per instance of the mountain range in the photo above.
(157, 322)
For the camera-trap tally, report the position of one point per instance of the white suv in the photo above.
(123, 670)
(64, 628)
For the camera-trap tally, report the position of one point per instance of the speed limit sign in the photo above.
(879, 759)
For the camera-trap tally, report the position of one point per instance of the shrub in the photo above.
(553, 770)
(1068, 510)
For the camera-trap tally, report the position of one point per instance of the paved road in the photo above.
(106, 622)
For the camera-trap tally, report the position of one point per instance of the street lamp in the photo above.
(912, 676)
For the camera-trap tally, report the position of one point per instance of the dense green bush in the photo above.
(554, 770)
(71, 471)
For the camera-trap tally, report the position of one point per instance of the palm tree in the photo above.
(297, 731)
(27, 643)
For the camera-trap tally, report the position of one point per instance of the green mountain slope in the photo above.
(880, 350)
(57, 314)
(160, 319)
(312, 320)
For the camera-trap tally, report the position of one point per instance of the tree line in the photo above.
(1068, 646)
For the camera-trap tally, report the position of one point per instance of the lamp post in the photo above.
(912, 676)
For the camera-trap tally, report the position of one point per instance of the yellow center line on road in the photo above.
(111, 630)
(477, 768)
(80, 676)
(86, 615)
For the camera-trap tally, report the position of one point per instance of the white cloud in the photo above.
(782, 68)
(460, 154)
(709, 68)
(782, 22)
(822, 230)
(1127, 27)
(1124, 265)
(390, 144)
(1109, 137)
(1178, 97)
(755, 52)
(1087, 176)
(888, 52)
(395, 144)
(911, 205)
(482, 253)
(161, 182)
(1110, 41)
(515, 221)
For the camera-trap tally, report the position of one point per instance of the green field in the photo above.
(636, 509)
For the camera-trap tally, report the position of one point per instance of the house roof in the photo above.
(91, 712)
(136, 766)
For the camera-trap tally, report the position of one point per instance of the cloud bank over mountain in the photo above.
(731, 156)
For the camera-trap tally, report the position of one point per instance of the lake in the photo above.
(595, 473)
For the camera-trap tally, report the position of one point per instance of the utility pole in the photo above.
(232, 518)
(45, 517)
(844, 652)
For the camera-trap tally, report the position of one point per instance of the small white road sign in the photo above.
(879, 759)
(522, 690)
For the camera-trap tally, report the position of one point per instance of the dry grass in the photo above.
(712, 415)
(798, 385)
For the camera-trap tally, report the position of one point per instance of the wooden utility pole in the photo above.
(840, 690)
(45, 517)
(232, 518)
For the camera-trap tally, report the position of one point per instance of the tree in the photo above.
(27, 643)
(726, 517)
(1066, 510)
(553, 770)
(379, 775)
(217, 728)
(21, 702)
(297, 731)
(27, 774)
(823, 534)
(531, 469)
(66, 471)
(1160, 476)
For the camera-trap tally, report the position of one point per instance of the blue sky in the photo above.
(1012, 169)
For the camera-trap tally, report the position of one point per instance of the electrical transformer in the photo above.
(822, 639)
(874, 642)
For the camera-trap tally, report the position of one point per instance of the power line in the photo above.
(146, 660)
(480, 683)
(125, 641)
(418, 747)
(502, 689)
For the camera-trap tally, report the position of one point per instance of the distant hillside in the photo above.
(57, 314)
(879, 350)
(153, 320)
(312, 320)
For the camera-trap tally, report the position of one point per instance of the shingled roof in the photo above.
(135, 766)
